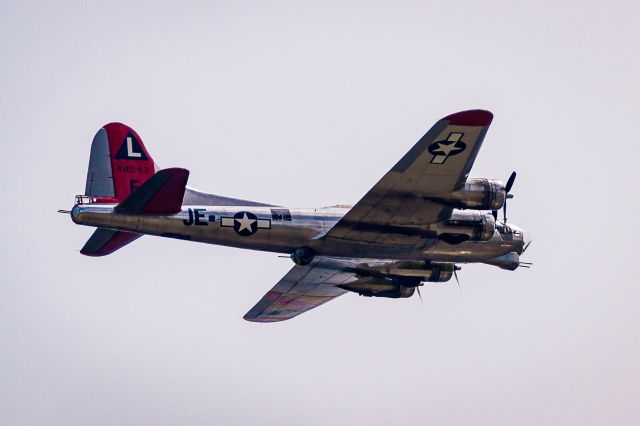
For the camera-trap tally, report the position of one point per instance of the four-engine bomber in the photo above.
(422, 218)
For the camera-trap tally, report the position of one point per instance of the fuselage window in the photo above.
(281, 215)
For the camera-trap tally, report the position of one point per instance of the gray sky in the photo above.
(309, 104)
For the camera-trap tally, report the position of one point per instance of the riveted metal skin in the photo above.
(476, 194)
(381, 287)
(476, 225)
(480, 194)
(303, 228)
(435, 272)
(412, 227)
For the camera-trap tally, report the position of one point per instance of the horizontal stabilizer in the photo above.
(106, 241)
(161, 194)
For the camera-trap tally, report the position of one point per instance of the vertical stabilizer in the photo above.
(119, 163)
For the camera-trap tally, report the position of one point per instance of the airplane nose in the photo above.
(520, 238)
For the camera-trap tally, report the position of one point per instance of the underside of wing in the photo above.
(400, 207)
(106, 241)
(303, 288)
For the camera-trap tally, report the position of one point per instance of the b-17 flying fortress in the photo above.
(416, 225)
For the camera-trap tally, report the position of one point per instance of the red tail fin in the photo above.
(119, 163)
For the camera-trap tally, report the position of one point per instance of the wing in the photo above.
(302, 289)
(398, 204)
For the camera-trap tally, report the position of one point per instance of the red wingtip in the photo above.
(473, 117)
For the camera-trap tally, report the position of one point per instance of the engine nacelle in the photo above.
(434, 272)
(303, 256)
(440, 272)
(397, 279)
(467, 225)
(477, 194)
(380, 287)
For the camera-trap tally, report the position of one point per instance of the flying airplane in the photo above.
(416, 225)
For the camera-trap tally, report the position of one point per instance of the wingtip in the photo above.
(472, 117)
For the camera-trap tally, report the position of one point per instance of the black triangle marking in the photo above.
(133, 152)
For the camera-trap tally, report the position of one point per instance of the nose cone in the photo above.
(519, 238)
(524, 237)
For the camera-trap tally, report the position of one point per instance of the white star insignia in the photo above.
(245, 223)
(445, 149)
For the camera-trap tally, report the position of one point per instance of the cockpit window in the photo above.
(281, 215)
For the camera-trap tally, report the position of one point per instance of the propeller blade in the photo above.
(455, 274)
(510, 181)
(504, 212)
(420, 295)
(507, 189)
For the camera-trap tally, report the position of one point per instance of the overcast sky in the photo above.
(308, 104)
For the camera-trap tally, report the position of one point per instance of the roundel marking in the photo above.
(245, 223)
(442, 150)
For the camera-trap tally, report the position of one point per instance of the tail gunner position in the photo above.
(422, 218)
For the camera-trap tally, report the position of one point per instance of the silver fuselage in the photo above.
(304, 228)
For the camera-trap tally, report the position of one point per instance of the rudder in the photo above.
(118, 165)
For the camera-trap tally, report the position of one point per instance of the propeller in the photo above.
(455, 274)
(507, 189)
(510, 181)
